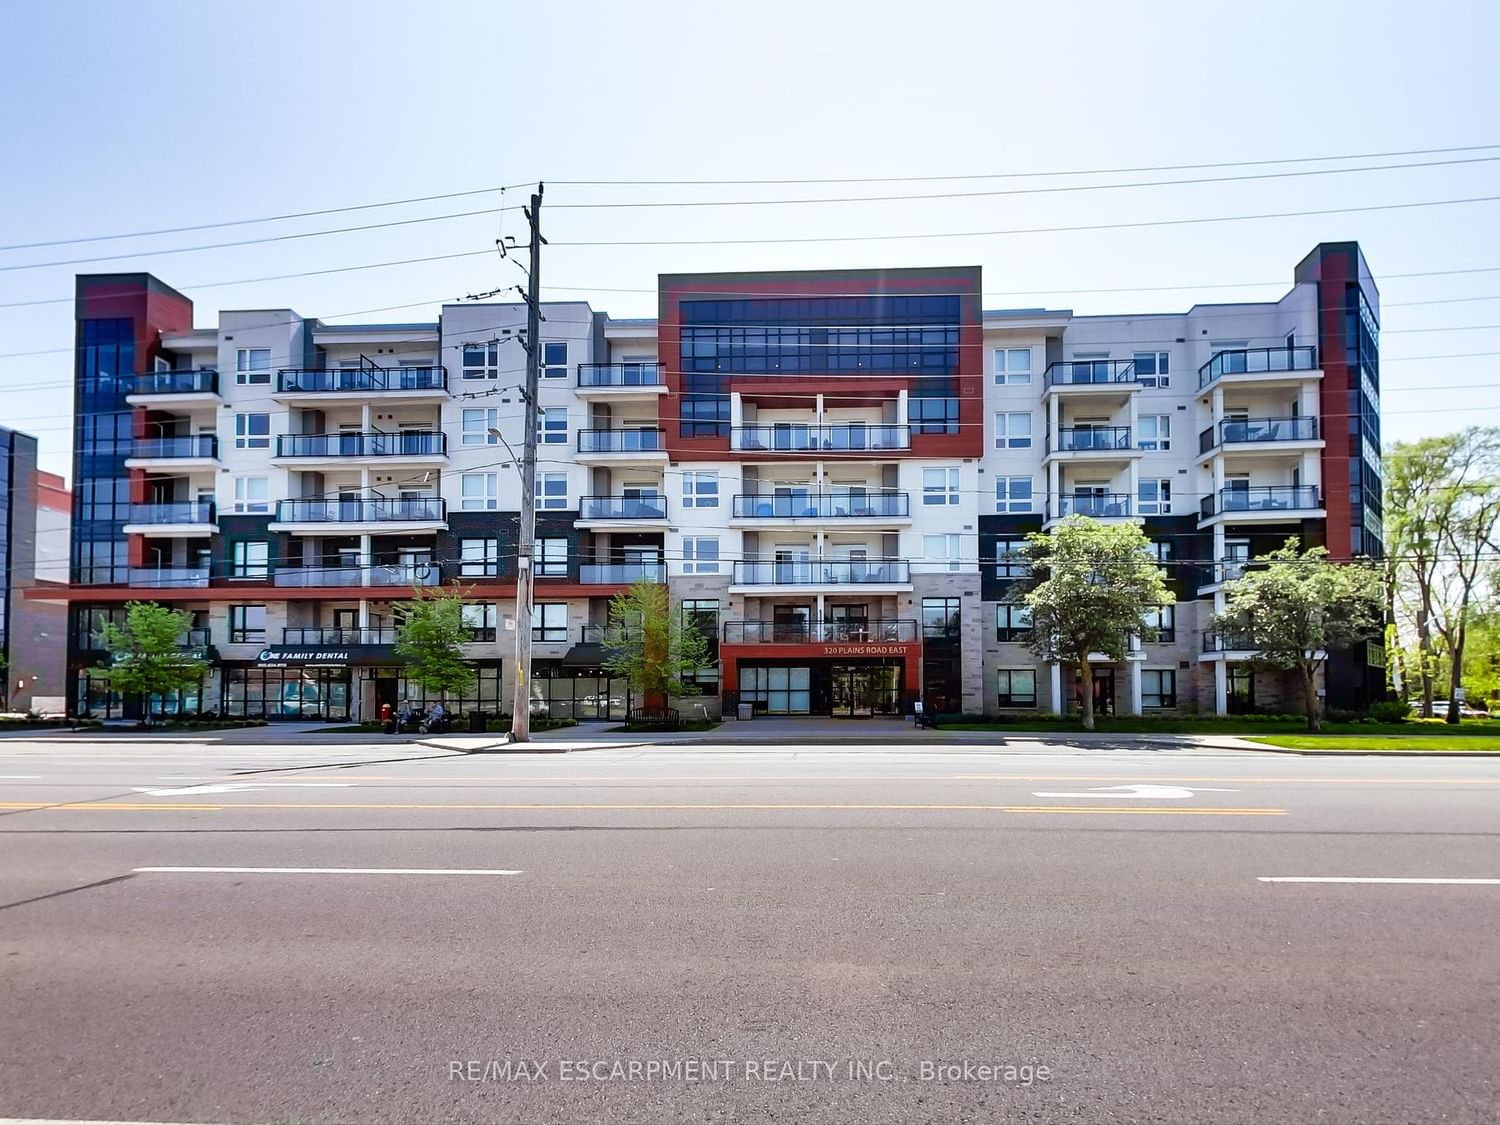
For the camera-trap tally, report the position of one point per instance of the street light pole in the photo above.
(520, 721)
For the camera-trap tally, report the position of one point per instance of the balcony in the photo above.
(391, 574)
(322, 635)
(407, 445)
(174, 388)
(418, 513)
(1091, 375)
(1095, 505)
(181, 518)
(851, 437)
(823, 572)
(1215, 641)
(840, 504)
(1260, 364)
(1275, 501)
(1099, 443)
(632, 444)
(168, 577)
(622, 508)
(406, 383)
(1258, 433)
(819, 632)
(622, 574)
(620, 381)
(183, 451)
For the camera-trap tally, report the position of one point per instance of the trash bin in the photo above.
(746, 712)
(476, 722)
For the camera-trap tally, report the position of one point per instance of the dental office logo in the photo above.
(302, 655)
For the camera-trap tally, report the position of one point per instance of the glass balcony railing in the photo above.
(1250, 361)
(1214, 641)
(596, 574)
(402, 509)
(842, 631)
(1236, 430)
(812, 504)
(852, 437)
(411, 443)
(822, 572)
(182, 446)
(201, 380)
(389, 574)
(360, 380)
(619, 375)
(162, 577)
(324, 635)
(1089, 372)
(1084, 439)
(173, 512)
(622, 508)
(1107, 505)
(604, 634)
(1273, 498)
(636, 440)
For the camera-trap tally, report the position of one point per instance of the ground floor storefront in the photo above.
(844, 685)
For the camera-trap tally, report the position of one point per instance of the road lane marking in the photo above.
(599, 806)
(1376, 879)
(1145, 792)
(326, 871)
(81, 1121)
(244, 787)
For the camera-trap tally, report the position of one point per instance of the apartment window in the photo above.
(478, 558)
(551, 492)
(1155, 497)
(1011, 559)
(700, 490)
(477, 427)
(702, 614)
(1012, 621)
(250, 559)
(943, 549)
(549, 621)
(700, 554)
(1017, 687)
(1158, 688)
(549, 558)
(555, 359)
(939, 487)
(252, 494)
(1012, 494)
(479, 620)
(1012, 366)
(552, 426)
(1013, 430)
(247, 624)
(252, 431)
(1154, 431)
(932, 415)
(1162, 551)
(1153, 368)
(940, 617)
(481, 361)
(479, 492)
(1161, 624)
(252, 365)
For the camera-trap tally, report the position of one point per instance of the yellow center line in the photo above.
(654, 806)
(520, 779)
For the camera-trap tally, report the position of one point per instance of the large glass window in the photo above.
(700, 554)
(940, 486)
(1161, 624)
(777, 690)
(700, 489)
(1012, 494)
(1013, 430)
(250, 559)
(1155, 497)
(1012, 559)
(1153, 368)
(252, 365)
(940, 617)
(1012, 621)
(479, 558)
(481, 361)
(549, 621)
(1012, 366)
(1154, 431)
(252, 494)
(1017, 687)
(479, 620)
(945, 550)
(551, 491)
(1158, 688)
(932, 415)
(252, 431)
(247, 624)
(479, 492)
(552, 426)
(550, 558)
(555, 359)
(477, 426)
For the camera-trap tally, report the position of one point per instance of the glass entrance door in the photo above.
(859, 691)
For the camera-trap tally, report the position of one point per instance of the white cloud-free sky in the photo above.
(124, 117)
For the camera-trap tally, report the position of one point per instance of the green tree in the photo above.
(428, 637)
(651, 647)
(1090, 586)
(146, 654)
(1300, 606)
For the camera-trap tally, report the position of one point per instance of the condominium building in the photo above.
(828, 469)
(34, 508)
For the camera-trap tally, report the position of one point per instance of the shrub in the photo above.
(1390, 710)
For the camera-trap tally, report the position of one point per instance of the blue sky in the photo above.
(124, 117)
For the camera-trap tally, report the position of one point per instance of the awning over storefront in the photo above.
(587, 655)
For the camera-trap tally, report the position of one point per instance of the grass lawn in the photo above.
(1367, 743)
(1423, 732)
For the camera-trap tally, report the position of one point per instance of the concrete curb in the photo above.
(1380, 753)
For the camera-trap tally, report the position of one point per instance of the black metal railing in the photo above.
(622, 508)
(1094, 505)
(423, 509)
(1249, 361)
(829, 505)
(644, 439)
(357, 380)
(842, 631)
(1271, 498)
(822, 572)
(199, 380)
(595, 574)
(1233, 430)
(1083, 439)
(173, 512)
(849, 437)
(327, 635)
(178, 446)
(619, 375)
(1216, 641)
(1089, 372)
(409, 443)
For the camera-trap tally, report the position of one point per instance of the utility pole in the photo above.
(520, 722)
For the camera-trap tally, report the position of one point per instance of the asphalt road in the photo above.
(798, 934)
